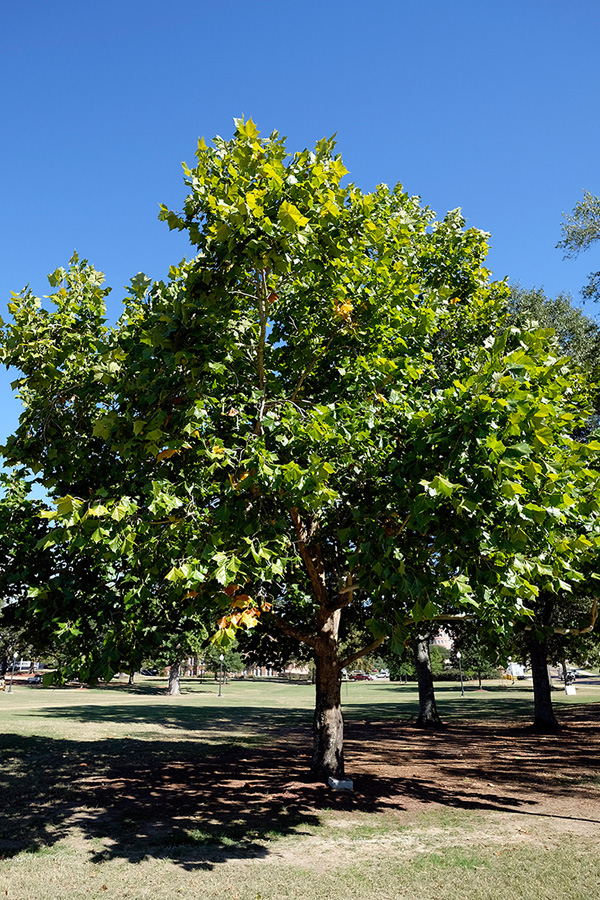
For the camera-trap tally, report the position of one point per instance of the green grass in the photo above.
(129, 793)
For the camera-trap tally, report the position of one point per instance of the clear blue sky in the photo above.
(490, 105)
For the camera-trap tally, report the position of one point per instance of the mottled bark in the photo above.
(428, 714)
(174, 673)
(328, 725)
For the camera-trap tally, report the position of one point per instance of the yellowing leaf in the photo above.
(166, 454)
(249, 618)
(343, 309)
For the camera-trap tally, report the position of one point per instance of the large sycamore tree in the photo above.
(321, 411)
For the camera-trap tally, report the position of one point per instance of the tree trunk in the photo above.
(543, 719)
(174, 672)
(131, 676)
(328, 725)
(428, 714)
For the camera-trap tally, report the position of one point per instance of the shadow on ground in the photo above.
(202, 800)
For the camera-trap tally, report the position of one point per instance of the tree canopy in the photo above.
(325, 407)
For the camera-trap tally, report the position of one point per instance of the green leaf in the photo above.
(512, 489)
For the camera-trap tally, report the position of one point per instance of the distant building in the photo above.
(443, 639)
(269, 672)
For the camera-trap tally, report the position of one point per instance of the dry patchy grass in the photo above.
(137, 796)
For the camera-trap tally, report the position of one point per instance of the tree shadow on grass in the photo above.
(237, 780)
(192, 804)
(169, 715)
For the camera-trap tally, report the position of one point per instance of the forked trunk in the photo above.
(174, 672)
(428, 714)
(543, 717)
(328, 725)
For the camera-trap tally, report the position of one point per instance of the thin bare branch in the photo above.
(272, 404)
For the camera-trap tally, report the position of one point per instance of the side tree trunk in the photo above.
(428, 714)
(174, 673)
(543, 716)
(328, 725)
(131, 676)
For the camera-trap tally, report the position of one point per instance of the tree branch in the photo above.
(345, 594)
(363, 652)
(309, 368)
(315, 572)
(576, 631)
(261, 296)
(291, 631)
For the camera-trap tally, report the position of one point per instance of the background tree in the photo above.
(480, 651)
(578, 335)
(233, 661)
(23, 568)
(401, 665)
(580, 230)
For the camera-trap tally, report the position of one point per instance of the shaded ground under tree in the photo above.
(201, 804)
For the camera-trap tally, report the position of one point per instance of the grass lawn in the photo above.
(128, 793)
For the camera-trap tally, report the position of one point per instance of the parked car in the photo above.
(34, 679)
(148, 671)
(383, 673)
(359, 676)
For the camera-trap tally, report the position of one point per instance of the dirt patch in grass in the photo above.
(487, 767)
